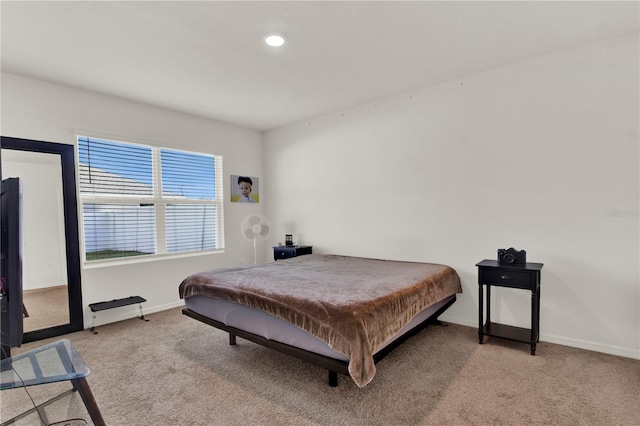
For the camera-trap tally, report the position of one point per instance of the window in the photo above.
(140, 200)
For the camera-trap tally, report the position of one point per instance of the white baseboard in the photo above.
(591, 346)
(562, 340)
(124, 313)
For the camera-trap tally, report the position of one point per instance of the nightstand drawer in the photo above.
(283, 252)
(506, 278)
(287, 252)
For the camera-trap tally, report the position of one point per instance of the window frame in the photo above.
(157, 199)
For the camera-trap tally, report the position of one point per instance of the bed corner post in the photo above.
(333, 379)
(232, 339)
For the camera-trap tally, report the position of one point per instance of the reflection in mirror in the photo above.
(45, 291)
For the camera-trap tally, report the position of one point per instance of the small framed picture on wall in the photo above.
(245, 189)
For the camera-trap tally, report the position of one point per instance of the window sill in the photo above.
(145, 258)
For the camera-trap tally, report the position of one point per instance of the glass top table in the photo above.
(55, 362)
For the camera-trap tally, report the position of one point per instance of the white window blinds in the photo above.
(114, 169)
(189, 183)
(128, 210)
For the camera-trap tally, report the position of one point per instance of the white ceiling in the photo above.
(208, 58)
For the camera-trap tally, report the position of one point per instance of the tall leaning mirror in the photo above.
(52, 294)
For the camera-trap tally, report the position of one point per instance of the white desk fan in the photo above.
(255, 227)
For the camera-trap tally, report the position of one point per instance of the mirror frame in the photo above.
(74, 285)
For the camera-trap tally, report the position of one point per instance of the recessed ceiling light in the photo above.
(275, 39)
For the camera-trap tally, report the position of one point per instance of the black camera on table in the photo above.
(512, 256)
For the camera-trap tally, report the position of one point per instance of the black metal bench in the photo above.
(115, 303)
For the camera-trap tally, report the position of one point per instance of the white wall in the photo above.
(43, 111)
(542, 155)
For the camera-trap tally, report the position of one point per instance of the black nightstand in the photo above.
(525, 276)
(285, 252)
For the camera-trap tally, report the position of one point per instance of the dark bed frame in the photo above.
(334, 366)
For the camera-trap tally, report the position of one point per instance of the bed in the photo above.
(339, 312)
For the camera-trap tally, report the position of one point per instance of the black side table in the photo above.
(285, 252)
(525, 276)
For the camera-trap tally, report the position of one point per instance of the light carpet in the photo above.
(174, 370)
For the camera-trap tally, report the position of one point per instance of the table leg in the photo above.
(538, 322)
(480, 313)
(83, 389)
(535, 318)
(42, 414)
(488, 304)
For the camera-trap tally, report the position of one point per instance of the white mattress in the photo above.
(273, 328)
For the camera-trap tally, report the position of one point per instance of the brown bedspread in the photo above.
(353, 304)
